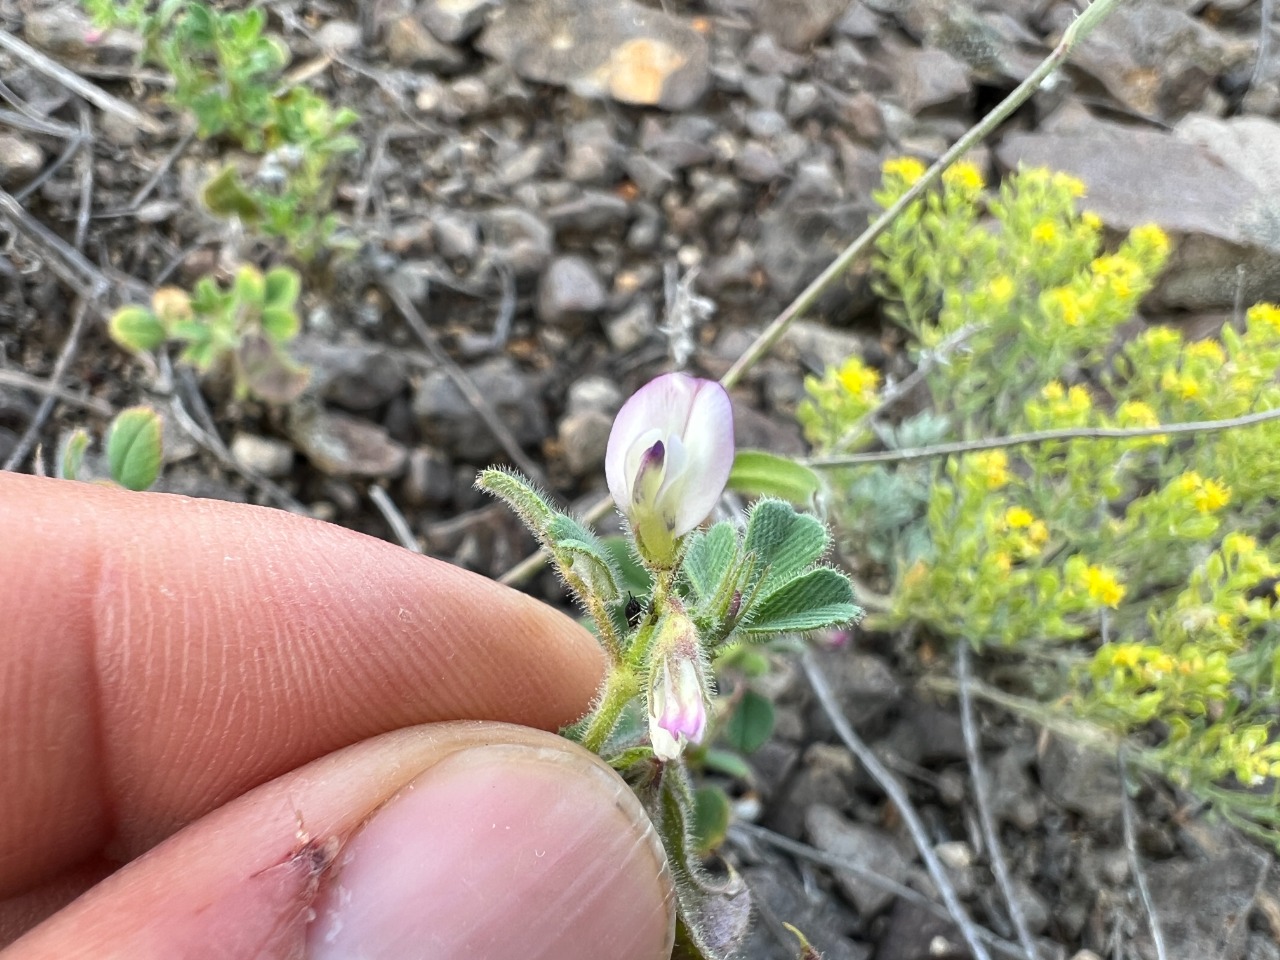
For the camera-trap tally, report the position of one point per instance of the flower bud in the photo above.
(677, 687)
(669, 456)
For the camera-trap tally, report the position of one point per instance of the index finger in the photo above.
(160, 655)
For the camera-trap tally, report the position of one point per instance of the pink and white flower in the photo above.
(668, 459)
(677, 703)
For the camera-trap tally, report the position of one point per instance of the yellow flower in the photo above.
(1135, 413)
(1038, 533)
(993, 467)
(1150, 237)
(1018, 518)
(1001, 289)
(1003, 562)
(1119, 271)
(857, 378)
(1209, 350)
(1184, 386)
(965, 176)
(1045, 232)
(1267, 314)
(1053, 390)
(906, 169)
(1102, 586)
(1091, 220)
(1078, 400)
(1073, 186)
(1065, 304)
(1212, 496)
(1126, 655)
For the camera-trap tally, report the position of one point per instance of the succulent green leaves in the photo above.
(134, 448)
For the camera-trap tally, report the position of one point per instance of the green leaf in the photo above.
(72, 458)
(250, 288)
(282, 288)
(727, 762)
(819, 598)
(226, 196)
(712, 812)
(136, 328)
(580, 553)
(134, 448)
(759, 473)
(709, 558)
(279, 323)
(783, 541)
(521, 496)
(751, 723)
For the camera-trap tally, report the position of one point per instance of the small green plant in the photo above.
(134, 448)
(707, 597)
(243, 330)
(228, 73)
(1133, 573)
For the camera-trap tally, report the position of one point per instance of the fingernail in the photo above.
(503, 851)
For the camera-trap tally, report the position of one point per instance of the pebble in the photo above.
(591, 152)
(355, 376)
(20, 160)
(583, 439)
(863, 845)
(569, 290)
(518, 238)
(593, 394)
(428, 478)
(410, 44)
(455, 20)
(448, 422)
(262, 455)
(457, 235)
(632, 328)
(339, 36)
(342, 445)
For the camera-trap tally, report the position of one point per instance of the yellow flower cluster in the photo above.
(1265, 314)
(858, 379)
(1208, 495)
(963, 176)
(992, 466)
(907, 169)
(1102, 585)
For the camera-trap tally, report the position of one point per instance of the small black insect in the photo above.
(634, 611)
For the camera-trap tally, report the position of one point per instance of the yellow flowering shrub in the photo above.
(1144, 563)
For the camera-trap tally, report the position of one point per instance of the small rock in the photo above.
(756, 163)
(455, 20)
(868, 847)
(685, 142)
(765, 56)
(863, 684)
(798, 24)
(65, 31)
(593, 394)
(594, 212)
(776, 889)
(765, 91)
(583, 438)
(449, 422)
(20, 160)
(262, 455)
(338, 36)
(933, 79)
(569, 289)
(428, 479)
(622, 50)
(410, 44)
(1012, 792)
(457, 236)
(345, 446)
(826, 778)
(914, 933)
(355, 376)
(632, 328)
(591, 152)
(1081, 780)
(519, 239)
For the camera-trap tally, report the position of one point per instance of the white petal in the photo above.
(661, 405)
(708, 442)
(665, 746)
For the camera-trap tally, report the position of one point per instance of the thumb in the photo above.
(450, 840)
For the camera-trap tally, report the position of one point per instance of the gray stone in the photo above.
(623, 50)
(595, 212)
(428, 478)
(449, 422)
(457, 235)
(934, 79)
(338, 36)
(764, 54)
(569, 289)
(455, 20)
(262, 455)
(684, 142)
(1226, 229)
(632, 328)
(518, 238)
(778, 894)
(1081, 780)
(798, 24)
(598, 394)
(826, 777)
(864, 686)
(20, 160)
(764, 91)
(356, 376)
(410, 44)
(583, 439)
(1203, 907)
(341, 445)
(591, 152)
(868, 847)
(1012, 792)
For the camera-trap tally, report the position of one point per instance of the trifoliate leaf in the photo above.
(710, 558)
(134, 448)
(784, 541)
(819, 598)
(136, 328)
(751, 723)
(759, 473)
(282, 288)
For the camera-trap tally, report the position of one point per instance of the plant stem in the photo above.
(1093, 15)
(619, 687)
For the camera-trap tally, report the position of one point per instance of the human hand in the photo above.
(163, 659)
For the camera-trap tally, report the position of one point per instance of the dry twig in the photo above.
(982, 801)
(898, 797)
(1135, 862)
(77, 84)
(395, 519)
(47, 388)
